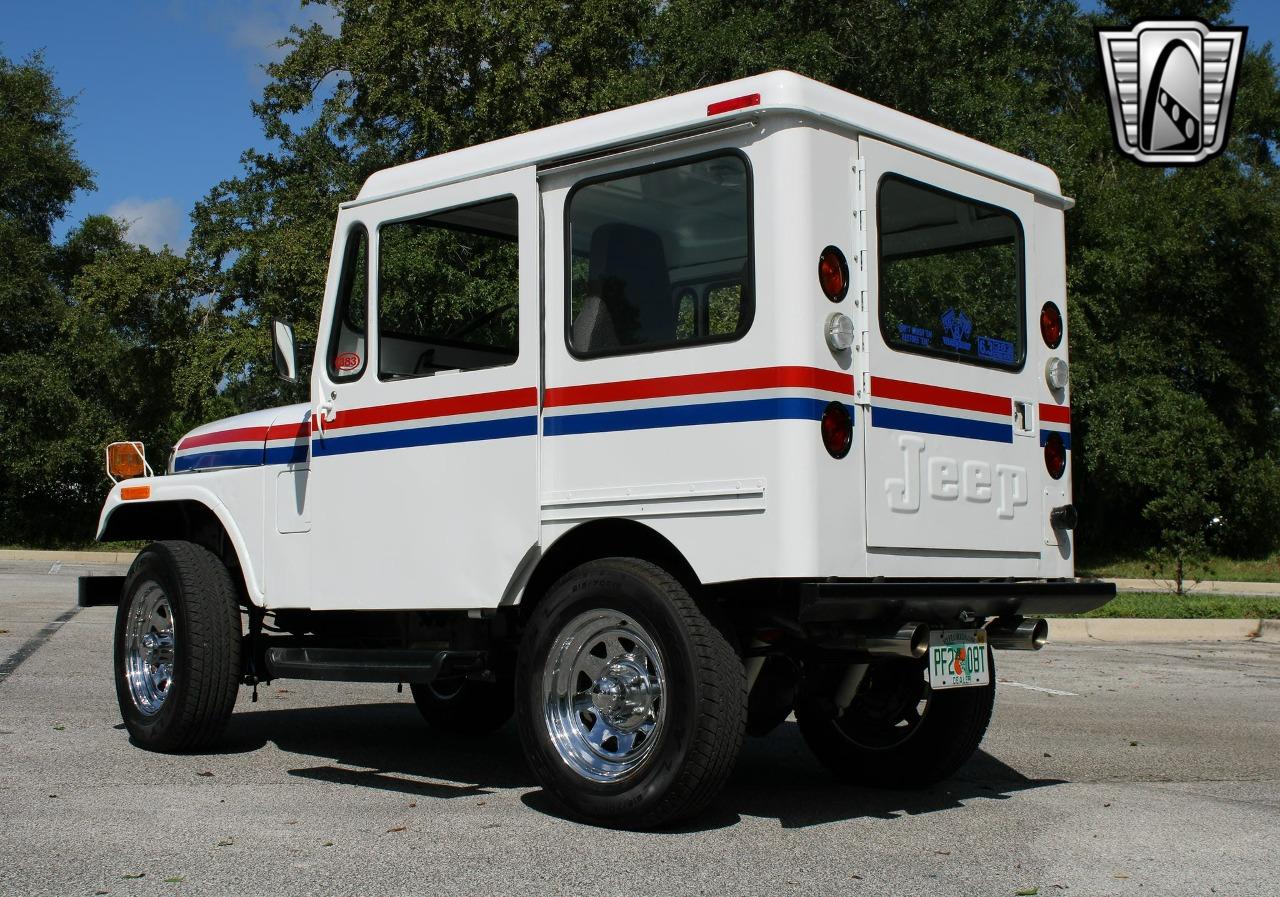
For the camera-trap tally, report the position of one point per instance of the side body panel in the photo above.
(716, 446)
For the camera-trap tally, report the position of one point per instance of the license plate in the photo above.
(958, 658)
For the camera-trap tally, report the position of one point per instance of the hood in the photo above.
(270, 436)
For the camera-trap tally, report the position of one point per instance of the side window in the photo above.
(348, 344)
(660, 258)
(951, 281)
(449, 291)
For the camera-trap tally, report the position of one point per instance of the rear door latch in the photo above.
(1024, 422)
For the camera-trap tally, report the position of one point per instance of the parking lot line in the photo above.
(31, 645)
(1048, 691)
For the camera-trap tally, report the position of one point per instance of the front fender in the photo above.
(154, 517)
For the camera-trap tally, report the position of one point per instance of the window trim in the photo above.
(376, 307)
(929, 351)
(341, 316)
(749, 316)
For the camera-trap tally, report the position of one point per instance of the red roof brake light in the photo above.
(744, 102)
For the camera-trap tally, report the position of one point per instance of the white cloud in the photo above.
(155, 223)
(253, 27)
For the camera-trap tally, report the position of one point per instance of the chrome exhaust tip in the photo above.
(1018, 633)
(910, 640)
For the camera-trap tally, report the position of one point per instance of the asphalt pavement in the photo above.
(1143, 769)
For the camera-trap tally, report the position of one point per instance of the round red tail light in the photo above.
(1055, 456)
(1051, 325)
(837, 429)
(833, 274)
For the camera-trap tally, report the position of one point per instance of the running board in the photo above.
(371, 664)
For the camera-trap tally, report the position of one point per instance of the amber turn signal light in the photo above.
(126, 460)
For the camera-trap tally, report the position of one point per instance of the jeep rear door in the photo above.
(953, 463)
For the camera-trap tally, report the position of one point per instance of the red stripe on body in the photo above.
(240, 434)
(699, 384)
(504, 400)
(289, 431)
(903, 391)
(1055, 414)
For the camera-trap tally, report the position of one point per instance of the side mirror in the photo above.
(283, 351)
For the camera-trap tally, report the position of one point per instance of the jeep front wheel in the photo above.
(177, 647)
(631, 703)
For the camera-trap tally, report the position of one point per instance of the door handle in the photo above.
(323, 412)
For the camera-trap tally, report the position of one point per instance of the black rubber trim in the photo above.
(100, 591)
(833, 601)
(370, 664)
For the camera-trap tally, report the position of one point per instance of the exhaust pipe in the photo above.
(1018, 633)
(908, 640)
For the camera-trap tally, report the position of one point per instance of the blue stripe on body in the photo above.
(941, 425)
(228, 458)
(685, 416)
(419, 436)
(286, 454)
(1065, 434)
(569, 424)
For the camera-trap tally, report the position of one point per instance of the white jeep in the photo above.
(651, 428)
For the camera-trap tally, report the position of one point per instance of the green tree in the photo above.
(100, 339)
(38, 179)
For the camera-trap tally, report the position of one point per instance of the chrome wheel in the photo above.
(603, 687)
(149, 642)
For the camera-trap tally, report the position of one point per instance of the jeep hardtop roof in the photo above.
(685, 113)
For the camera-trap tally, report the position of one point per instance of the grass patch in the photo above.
(1163, 605)
(1230, 569)
(78, 546)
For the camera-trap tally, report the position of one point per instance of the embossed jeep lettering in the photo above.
(950, 479)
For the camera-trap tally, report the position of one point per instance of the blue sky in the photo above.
(163, 90)
(162, 95)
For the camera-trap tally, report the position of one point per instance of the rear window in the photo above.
(951, 279)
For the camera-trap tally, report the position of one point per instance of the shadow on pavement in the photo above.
(392, 749)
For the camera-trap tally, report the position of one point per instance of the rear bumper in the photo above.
(834, 601)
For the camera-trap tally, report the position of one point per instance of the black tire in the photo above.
(200, 598)
(862, 746)
(465, 706)
(703, 696)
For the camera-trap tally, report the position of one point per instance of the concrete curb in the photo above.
(1132, 629)
(1198, 587)
(68, 557)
